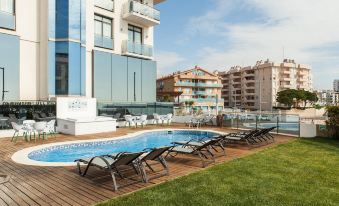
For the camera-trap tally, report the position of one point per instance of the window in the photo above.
(7, 6)
(105, 4)
(103, 32)
(135, 34)
(61, 74)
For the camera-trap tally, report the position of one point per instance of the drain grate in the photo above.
(4, 178)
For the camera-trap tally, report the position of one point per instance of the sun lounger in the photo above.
(153, 157)
(203, 151)
(114, 164)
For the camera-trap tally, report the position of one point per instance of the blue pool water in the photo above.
(71, 152)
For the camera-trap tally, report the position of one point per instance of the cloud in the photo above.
(168, 62)
(304, 28)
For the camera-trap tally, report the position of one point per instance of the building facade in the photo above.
(336, 85)
(196, 85)
(328, 98)
(256, 87)
(91, 48)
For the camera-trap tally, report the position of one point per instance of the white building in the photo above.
(256, 87)
(336, 85)
(92, 48)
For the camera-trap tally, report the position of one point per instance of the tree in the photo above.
(286, 97)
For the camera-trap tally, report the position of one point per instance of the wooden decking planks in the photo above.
(30, 185)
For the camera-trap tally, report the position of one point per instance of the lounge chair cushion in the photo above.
(182, 150)
(98, 161)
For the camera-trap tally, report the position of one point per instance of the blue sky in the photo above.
(218, 34)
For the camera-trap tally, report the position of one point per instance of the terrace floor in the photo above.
(32, 185)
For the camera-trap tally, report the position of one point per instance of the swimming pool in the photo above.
(64, 153)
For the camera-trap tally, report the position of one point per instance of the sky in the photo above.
(219, 34)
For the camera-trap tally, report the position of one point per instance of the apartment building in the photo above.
(256, 87)
(201, 87)
(92, 48)
(328, 97)
(336, 85)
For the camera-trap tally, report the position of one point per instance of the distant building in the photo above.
(196, 85)
(256, 87)
(328, 97)
(336, 85)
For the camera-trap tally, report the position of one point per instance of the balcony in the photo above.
(141, 14)
(7, 20)
(105, 4)
(103, 42)
(137, 50)
(193, 84)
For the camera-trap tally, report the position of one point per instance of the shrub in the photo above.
(333, 121)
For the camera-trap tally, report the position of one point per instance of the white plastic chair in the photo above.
(17, 129)
(130, 120)
(41, 129)
(167, 118)
(51, 127)
(142, 121)
(28, 127)
(157, 118)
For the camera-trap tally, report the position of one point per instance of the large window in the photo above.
(135, 34)
(105, 4)
(103, 32)
(61, 74)
(7, 6)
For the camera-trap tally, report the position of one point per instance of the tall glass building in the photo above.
(92, 48)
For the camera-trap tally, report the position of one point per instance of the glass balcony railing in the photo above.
(105, 4)
(7, 20)
(138, 49)
(202, 100)
(192, 84)
(104, 42)
(145, 10)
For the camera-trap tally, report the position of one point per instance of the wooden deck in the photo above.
(31, 185)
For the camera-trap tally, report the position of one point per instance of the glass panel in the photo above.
(107, 30)
(137, 38)
(98, 28)
(105, 4)
(61, 74)
(7, 6)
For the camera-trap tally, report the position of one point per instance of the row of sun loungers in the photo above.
(135, 164)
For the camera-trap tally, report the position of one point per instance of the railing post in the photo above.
(237, 121)
(256, 122)
(278, 124)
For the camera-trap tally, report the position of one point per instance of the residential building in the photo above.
(336, 85)
(256, 87)
(196, 85)
(328, 97)
(90, 48)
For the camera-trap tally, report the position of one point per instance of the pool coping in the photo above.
(21, 156)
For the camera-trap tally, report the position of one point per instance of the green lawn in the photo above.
(303, 172)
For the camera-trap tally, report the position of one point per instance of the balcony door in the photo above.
(134, 34)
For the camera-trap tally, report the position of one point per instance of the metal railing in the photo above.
(192, 84)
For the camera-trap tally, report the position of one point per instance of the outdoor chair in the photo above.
(28, 127)
(157, 119)
(194, 122)
(17, 129)
(115, 165)
(197, 143)
(50, 127)
(167, 118)
(153, 157)
(203, 151)
(142, 121)
(130, 121)
(249, 138)
(42, 129)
